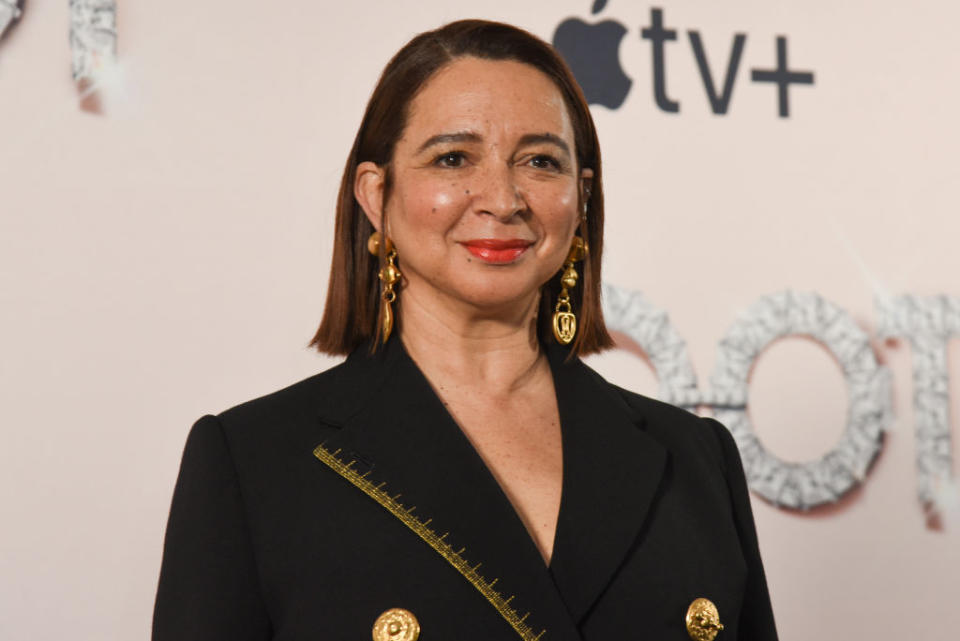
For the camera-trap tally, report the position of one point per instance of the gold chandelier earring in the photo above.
(389, 276)
(564, 320)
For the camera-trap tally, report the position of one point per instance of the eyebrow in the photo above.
(469, 136)
(552, 139)
(459, 136)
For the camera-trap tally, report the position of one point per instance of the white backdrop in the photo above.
(167, 258)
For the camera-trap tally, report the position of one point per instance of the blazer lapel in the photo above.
(611, 471)
(397, 428)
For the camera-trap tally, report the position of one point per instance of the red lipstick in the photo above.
(497, 251)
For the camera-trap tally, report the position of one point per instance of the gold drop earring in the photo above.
(389, 276)
(564, 320)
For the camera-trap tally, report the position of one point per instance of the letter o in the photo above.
(826, 479)
(650, 328)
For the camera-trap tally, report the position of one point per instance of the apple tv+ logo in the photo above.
(592, 51)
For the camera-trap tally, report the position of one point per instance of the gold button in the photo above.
(396, 624)
(703, 620)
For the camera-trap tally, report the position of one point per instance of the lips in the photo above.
(497, 251)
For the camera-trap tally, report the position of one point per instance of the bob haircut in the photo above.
(353, 296)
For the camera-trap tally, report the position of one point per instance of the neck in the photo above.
(497, 350)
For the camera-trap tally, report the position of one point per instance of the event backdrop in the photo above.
(781, 252)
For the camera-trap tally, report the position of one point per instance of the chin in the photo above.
(499, 295)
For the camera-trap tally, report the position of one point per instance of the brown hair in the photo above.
(353, 295)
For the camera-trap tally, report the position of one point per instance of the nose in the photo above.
(497, 192)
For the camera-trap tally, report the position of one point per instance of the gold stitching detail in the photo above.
(421, 529)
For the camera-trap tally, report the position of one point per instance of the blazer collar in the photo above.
(394, 424)
(611, 471)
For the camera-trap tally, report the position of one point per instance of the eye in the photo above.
(450, 159)
(543, 161)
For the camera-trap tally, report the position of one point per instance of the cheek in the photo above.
(435, 198)
(430, 203)
(558, 207)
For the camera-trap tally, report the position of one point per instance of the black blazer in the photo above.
(267, 541)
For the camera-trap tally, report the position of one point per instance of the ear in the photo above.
(586, 183)
(368, 190)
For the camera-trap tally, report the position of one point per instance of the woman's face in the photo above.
(484, 202)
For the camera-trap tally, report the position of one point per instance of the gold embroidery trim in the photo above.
(422, 529)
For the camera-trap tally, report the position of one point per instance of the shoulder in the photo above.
(306, 396)
(702, 452)
(290, 416)
(680, 431)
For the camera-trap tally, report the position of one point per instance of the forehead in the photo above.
(486, 96)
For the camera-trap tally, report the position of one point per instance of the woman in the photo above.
(463, 475)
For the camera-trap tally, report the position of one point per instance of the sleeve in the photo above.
(756, 617)
(208, 588)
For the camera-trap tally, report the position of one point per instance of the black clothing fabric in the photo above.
(266, 542)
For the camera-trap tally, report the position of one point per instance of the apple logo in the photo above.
(592, 51)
